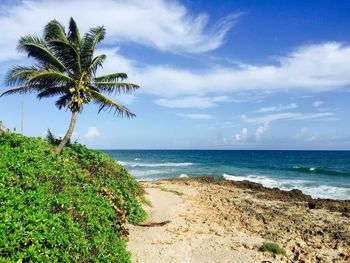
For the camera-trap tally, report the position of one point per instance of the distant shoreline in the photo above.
(294, 195)
(319, 174)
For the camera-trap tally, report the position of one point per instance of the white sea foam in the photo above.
(137, 159)
(183, 176)
(316, 191)
(312, 169)
(138, 173)
(168, 164)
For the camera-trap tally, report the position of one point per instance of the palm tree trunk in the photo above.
(69, 133)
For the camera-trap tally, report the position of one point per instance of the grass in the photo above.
(272, 247)
(169, 190)
(67, 208)
(146, 201)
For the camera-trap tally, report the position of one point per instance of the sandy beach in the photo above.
(203, 220)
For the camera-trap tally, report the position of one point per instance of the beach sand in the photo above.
(222, 221)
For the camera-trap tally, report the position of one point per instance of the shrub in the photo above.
(67, 208)
(272, 247)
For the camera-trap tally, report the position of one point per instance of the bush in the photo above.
(272, 247)
(67, 208)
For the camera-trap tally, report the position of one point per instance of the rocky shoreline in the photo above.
(294, 195)
(308, 229)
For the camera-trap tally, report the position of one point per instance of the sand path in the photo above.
(190, 236)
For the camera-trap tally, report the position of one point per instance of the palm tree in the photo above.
(66, 67)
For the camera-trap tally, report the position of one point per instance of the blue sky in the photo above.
(213, 74)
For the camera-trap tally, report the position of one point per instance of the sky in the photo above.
(232, 74)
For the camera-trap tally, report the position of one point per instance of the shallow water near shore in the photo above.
(323, 174)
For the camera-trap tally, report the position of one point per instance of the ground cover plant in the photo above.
(63, 208)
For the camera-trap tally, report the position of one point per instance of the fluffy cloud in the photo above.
(313, 68)
(261, 130)
(196, 116)
(317, 104)
(265, 121)
(92, 133)
(168, 26)
(165, 25)
(241, 136)
(191, 102)
(279, 108)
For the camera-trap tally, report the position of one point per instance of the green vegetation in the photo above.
(66, 67)
(272, 247)
(63, 208)
(169, 190)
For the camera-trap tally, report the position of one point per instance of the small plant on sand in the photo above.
(272, 247)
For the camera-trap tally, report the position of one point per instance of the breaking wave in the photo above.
(315, 190)
(168, 164)
(318, 170)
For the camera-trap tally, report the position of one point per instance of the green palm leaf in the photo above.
(18, 75)
(63, 101)
(106, 104)
(49, 78)
(21, 90)
(66, 68)
(96, 63)
(89, 43)
(37, 48)
(117, 76)
(54, 30)
(66, 53)
(51, 92)
(115, 87)
(73, 34)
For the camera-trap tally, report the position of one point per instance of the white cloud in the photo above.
(313, 68)
(264, 122)
(261, 130)
(317, 104)
(92, 133)
(165, 25)
(241, 136)
(279, 108)
(168, 26)
(191, 102)
(196, 116)
(287, 116)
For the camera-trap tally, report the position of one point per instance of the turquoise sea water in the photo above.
(324, 174)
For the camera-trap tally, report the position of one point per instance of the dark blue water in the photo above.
(323, 174)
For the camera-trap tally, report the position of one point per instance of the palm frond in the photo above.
(54, 30)
(106, 103)
(66, 53)
(63, 101)
(49, 78)
(115, 87)
(36, 47)
(53, 91)
(117, 76)
(18, 75)
(96, 63)
(73, 34)
(89, 43)
(20, 90)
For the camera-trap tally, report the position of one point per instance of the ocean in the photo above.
(323, 174)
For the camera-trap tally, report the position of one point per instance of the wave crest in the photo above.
(316, 191)
(168, 164)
